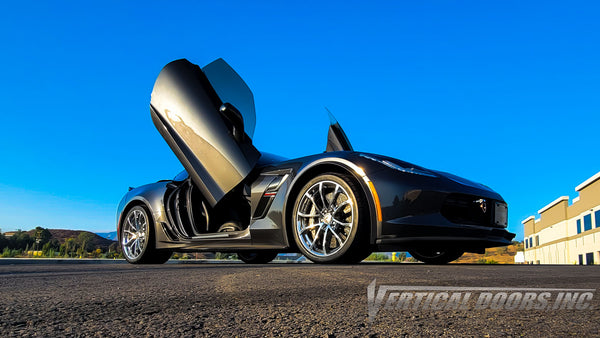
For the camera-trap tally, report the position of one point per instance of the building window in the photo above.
(597, 214)
(530, 242)
(578, 226)
(537, 240)
(587, 222)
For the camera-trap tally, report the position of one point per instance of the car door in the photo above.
(336, 137)
(207, 117)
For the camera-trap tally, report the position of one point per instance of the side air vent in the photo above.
(168, 232)
(187, 214)
(264, 192)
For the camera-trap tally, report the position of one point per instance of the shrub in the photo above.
(378, 256)
(486, 261)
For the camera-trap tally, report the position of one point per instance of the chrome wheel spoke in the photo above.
(307, 215)
(316, 207)
(325, 240)
(343, 204)
(337, 237)
(314, 241)
(322, 196)
(334, 196)
(139, 220)
(345, 224)
(131, 226)
(312, 244)
(129, 242)
(136, 222)
(310, 227)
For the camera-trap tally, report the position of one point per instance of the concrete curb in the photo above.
(16, 261)
(39, 261)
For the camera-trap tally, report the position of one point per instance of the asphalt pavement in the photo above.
(230, 300)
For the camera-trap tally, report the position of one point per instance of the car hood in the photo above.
(463, 181)
(408, 167)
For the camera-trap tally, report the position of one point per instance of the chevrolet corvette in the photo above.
(333, 207)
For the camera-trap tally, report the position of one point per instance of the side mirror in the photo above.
(234, 117)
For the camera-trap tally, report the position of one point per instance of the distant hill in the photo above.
(501, 255)
(108, 235)
(63, 234)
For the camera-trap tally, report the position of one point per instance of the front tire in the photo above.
(433, 256)
(328, 220)
(256, 257)
(137, 238)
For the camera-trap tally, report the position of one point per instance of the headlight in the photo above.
(399, 167)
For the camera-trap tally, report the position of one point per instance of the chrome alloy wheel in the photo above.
(324, 218)
(135, 233)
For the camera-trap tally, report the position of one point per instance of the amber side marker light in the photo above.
(376, 198)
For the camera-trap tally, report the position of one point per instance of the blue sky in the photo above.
(501, 92)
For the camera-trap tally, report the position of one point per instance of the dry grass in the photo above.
(500, 255)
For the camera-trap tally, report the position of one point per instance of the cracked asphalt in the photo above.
(307, 300)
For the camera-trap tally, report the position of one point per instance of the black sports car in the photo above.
(333, 207)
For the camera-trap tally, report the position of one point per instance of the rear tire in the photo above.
(433, 256)
(138, 239)
(329, 220)
(256, 257)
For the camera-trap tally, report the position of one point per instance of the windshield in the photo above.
(232, 89)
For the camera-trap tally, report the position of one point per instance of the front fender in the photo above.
(343, 164)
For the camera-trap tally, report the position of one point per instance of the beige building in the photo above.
(566, 233)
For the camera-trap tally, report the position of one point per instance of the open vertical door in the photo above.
(207, 117)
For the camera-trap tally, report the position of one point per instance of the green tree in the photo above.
(50, 247)
(3, 241)
(401, 256)
(6, 252)
(70, 247)
(114, 247)
(42, 236)
(85, 241)
(224, 255)
(20, 240)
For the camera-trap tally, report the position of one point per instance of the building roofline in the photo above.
(530, 218)
(553, 203)
(588, 182)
